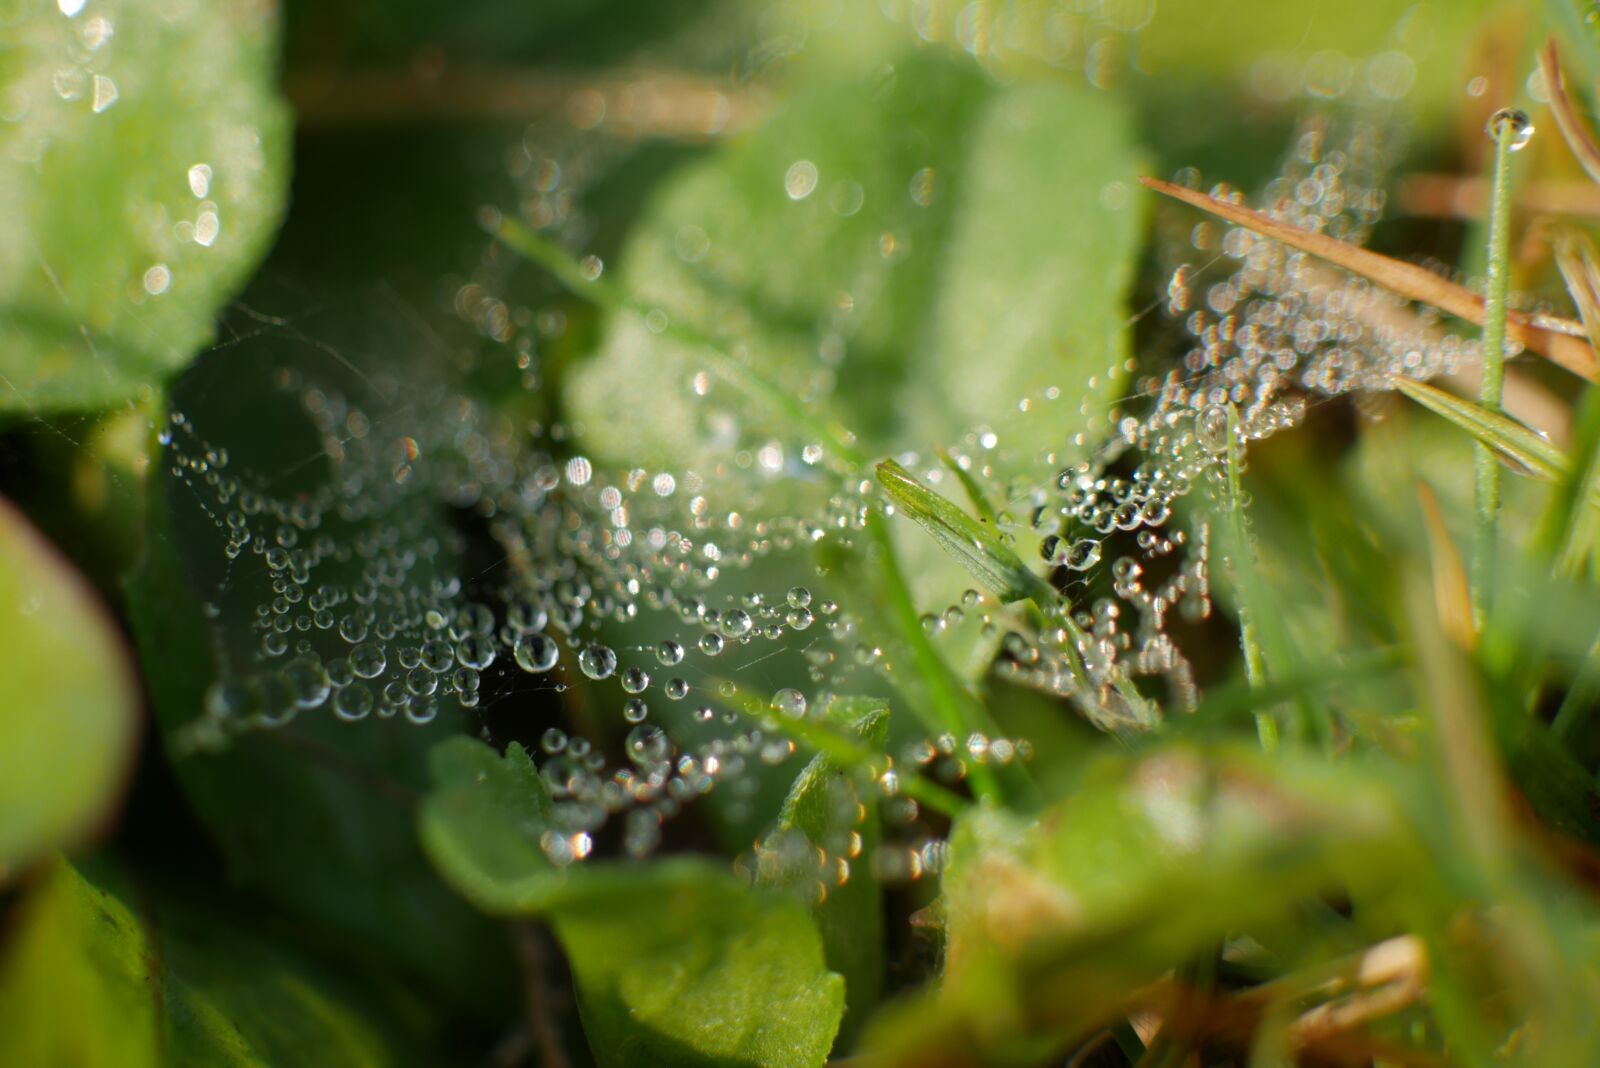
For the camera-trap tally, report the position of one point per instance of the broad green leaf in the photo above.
(1054, 926)
(88, 981)
(143, 168)
(917, 293)
(822, 849)
(68, 712)
(675, 961)
(977, 546)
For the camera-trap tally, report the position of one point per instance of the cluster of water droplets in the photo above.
(646, 596)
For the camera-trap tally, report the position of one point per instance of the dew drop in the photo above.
(789, 702)
(1511, 126)
(368, 660)
(597, 661)
(535, 653)
(1082, 554)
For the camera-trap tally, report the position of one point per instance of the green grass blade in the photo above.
(1505, 128)
(976, 545)
(975, 495)
(1568, 531)
(843, 751)
(1501, 434)
(1241, 562)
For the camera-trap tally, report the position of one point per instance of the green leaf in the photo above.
(977, 546)
(1054, 926)
(143, 171)
(68, 712)
(828, 815)
(675, 961)
(906, 252)
(88, 981)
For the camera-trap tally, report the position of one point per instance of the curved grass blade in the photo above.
(976, 545)
(1504, 435)
(1573, 129)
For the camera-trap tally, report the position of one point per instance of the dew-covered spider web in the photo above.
(443, 545)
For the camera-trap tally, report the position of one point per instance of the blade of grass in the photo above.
(1503, 435)
(976, 545)
(839, 444)
(975, 495)
(958, 710)
(843, 751)
(1573, 129)
(990, 560)
(1241, 562)
(1504, 128)
(1452, 592)
(1572, 529)
(1406, 279)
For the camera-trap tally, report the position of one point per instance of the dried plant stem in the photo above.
(1560, 346)
(1491, 390)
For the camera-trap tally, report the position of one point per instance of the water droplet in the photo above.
(1211, 429)
(800, 180)
(789, 702)
(1082, 554)
(368, 660)
(597, 661)
(535, 653)
(353, 702)
(1511, 126)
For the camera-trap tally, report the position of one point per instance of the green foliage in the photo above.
(928, 218)
(138, 200)
(860, 262)
(830, 812)
(976, 545)
(90, 980)
(676, 961)
(67, 705)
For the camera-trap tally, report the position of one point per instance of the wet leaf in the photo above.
(68, 700)
(90, 981)
(1063, 925)
(144, 169)
(907, 251)
(676, 961)
(828, 814)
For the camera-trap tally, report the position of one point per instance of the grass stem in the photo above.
(1505, 133)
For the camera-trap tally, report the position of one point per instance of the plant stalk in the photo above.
(1491, 393)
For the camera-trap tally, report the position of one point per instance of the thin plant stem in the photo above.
(1255, 667)
(1491, 393)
